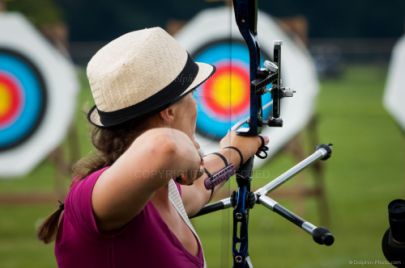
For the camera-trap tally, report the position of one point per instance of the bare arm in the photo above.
(196, 196)
(122, 191)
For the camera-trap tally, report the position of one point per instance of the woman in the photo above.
(123, 208)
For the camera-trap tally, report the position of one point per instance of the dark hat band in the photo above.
(169, 94)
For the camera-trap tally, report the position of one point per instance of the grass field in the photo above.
(366, 171)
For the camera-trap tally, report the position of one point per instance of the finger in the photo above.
(200, 172)
(262, 141)
(179, 179)
(266, 139)
(201, 154)
(191, 176)
(184, 179)
(196, 144)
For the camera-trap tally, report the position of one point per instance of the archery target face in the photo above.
(22, 98)
(394, 95)
(219, 107)
(38, 90)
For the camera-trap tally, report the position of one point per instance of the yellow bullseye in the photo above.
(5, 100)
(223, 96)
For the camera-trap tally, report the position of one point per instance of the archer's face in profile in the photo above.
(186, 114)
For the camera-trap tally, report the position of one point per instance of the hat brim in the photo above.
(205, 71)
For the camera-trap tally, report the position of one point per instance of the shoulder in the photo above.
(87, 183)
(78, 203)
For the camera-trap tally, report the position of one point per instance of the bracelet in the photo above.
(223, 158)
(239, 152)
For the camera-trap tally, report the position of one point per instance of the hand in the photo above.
(190, 176)
(195, 161)
(248, 145)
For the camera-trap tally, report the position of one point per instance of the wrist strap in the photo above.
(222, 157)
(262, 152)
(239, 152)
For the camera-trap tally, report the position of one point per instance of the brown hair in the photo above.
(110, 144)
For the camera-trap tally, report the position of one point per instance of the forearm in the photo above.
(196, 196)
(213, 164)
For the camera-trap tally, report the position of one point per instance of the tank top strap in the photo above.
(175, 199)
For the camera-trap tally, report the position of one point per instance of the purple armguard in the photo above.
(218, 177)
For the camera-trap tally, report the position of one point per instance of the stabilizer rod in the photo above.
(221, 204)
(320, 235)
(323, 152)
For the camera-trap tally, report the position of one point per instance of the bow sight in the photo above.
(263, 79)
(246, 19)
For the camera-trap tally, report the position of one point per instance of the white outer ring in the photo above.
(394, 96)
(60, 78)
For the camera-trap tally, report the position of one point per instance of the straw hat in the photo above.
(139, 73)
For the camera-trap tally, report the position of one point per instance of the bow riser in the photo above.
(246, 19)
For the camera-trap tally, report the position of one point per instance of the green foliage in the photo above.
(365, 172)
(103, 20)
(39, 12)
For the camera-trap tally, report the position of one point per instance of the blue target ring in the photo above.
(18, 73)
(223, 103)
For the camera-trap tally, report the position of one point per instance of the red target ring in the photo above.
(224, 99)
(222, 103)
(11, 99)
(23, 98)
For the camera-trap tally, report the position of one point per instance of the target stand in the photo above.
(61, 159)
(296, 149)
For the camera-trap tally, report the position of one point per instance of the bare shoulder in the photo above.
(122, 191)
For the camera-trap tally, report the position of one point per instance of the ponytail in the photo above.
(47, 231)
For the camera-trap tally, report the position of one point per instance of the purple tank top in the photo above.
(146, 241)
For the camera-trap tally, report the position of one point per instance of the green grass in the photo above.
(366, 171)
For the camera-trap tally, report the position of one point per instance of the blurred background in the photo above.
(354, 48)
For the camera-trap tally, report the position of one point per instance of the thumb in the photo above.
(265, 139)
